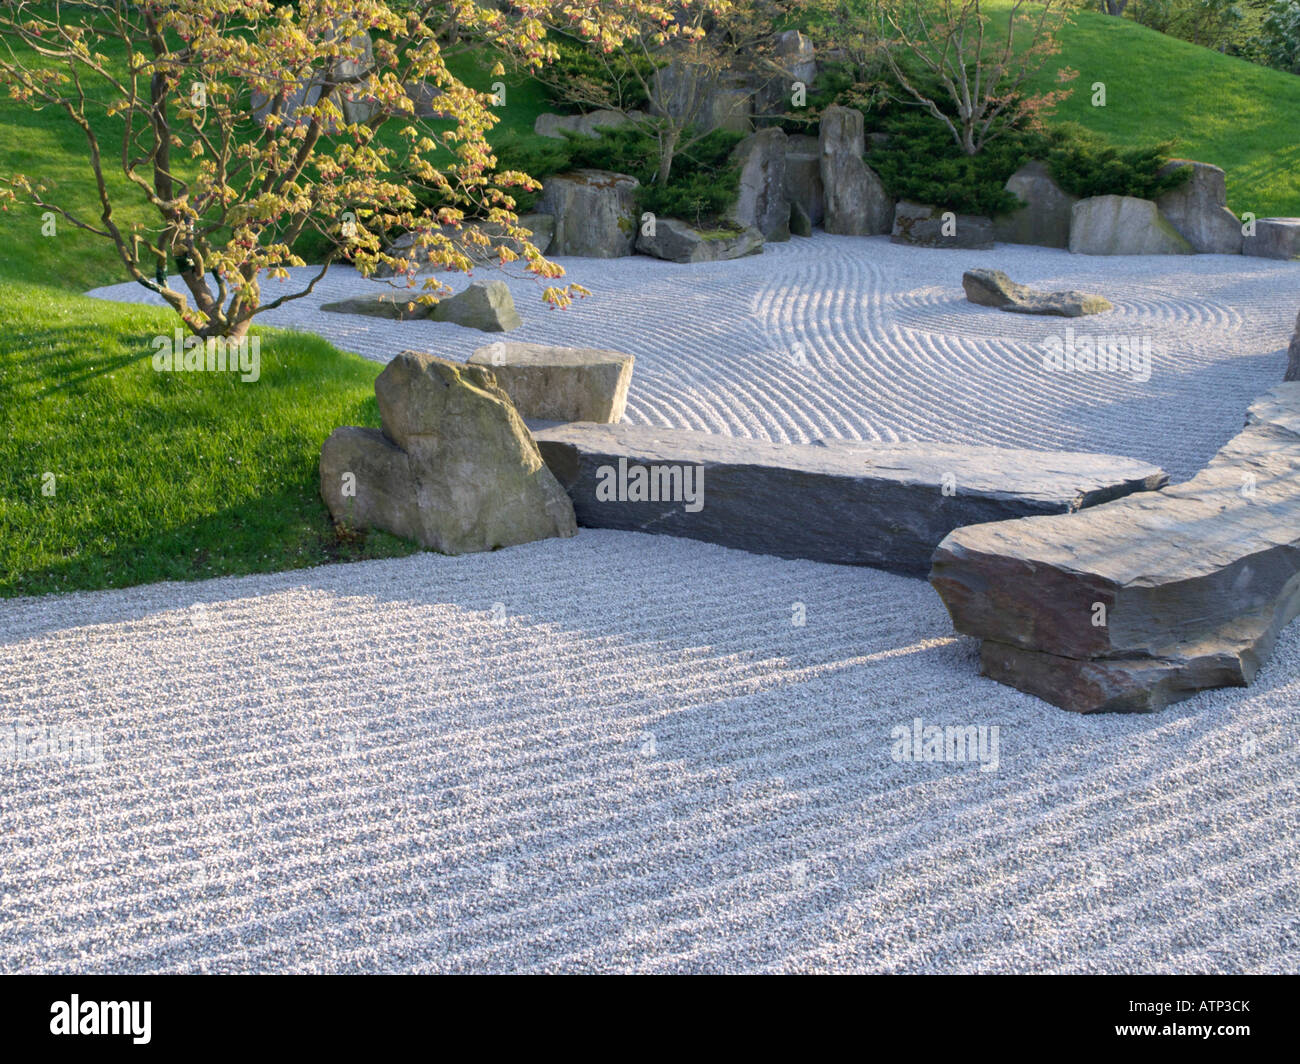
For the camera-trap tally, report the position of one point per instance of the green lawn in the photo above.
(1222, 110)
(162, 476)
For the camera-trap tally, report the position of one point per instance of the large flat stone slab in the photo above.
(884, 505)
(1145, 600)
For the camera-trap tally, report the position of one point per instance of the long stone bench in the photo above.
(884, 505)
(1143, 601)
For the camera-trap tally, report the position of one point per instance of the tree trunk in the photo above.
(667, 151)
(1115, 7)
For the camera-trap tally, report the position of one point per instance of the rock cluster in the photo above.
(454, 469)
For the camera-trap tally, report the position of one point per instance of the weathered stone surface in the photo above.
(560, 383)
(841, 501)
(803, 178)
(797, 56)
(993, 288)
(924, 226)
(397, 307)
(762, 202)
(677, 241)
(1199, 211)
(485, 305)
(703, 97)
(800, 223)
(542, 227)
(594, 211)
(380, 474)
(1293, 354)
(1274, 238)
(1123, 225)
(1045, 218)
(856, 201)
(1195, 580)
(357, 56)
(588, 125)
(423, 96)
(455, 468)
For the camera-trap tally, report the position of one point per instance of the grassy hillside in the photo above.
(1242, 117)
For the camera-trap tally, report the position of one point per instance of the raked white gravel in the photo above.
(617, 752)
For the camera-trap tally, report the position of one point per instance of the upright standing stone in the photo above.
(856, 201)
(762, 203)
(1045, 218)
(1198, 209)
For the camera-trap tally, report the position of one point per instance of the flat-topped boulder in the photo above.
(1123, 225)
(1148, 599)
(1274, 238)
(677, 241)
(993, 288)
(560, 383)
(843, 501)
(922, 225)
(594, 211)
(398, 307)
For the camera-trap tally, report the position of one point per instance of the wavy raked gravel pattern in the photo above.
(893, 350)
(503, 809)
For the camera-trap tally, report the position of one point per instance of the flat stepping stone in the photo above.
(560, 383)
(1146, 600)
(396, 307)
(993, 288)
(1274, 238)
(853, 503)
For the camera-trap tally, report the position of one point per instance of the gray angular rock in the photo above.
(560, 383)
(1123, 225)
(1045, 218)
(762, 203)
(703, 96)
(588, 125)
(803, 178)
(677, 241)
(1274, 238)
(396, 307)
(594, 211)
(366, 481)
(1145, 600)
(797, 56)
(455, 468)
(856, 201)
(484, 305)
(423, 96)
(542, 227)
(993, 288)
(885, 505)
(924, 226)
(800, 223)
(1199, 211)
(1293, 354)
